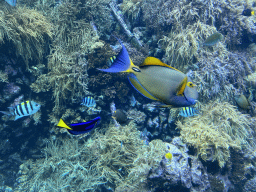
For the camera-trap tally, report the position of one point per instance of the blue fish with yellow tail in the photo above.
(79, 128)
(156, 80)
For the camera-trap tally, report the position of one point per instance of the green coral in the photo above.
(220, 127)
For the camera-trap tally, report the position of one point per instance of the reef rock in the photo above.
(183, 169)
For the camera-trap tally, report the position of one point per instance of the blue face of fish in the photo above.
(183, 101)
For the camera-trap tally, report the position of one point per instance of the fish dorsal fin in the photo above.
(136, 84)
(152, 61)
(182, 86)
(62, 124)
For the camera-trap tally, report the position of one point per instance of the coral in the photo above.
(138, 117)
(3, 77)
(27, 31)
(182, 172)
(220, 127)
(181, 46)
(63, 168)
(74, 39)
(250, 186)
(117, 157)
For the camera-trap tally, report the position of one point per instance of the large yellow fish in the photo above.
(156, 80)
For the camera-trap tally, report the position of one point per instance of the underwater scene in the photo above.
(127, 95)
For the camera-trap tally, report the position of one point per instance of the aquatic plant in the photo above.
(220, 127)
(27, 31)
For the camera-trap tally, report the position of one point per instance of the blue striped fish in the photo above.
(188, 112)
(111, 60)
(88, 102)
(23, 109)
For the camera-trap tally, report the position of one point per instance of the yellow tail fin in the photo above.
(62, 124)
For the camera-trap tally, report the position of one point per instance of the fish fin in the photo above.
(62, 124)
(182, 86)
(121, 63)
(152, 61)
(252, 13)
(6, 113)
(163, 106)
(136, 84)
(17, 117)
(11, 2)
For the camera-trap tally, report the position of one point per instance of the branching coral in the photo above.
(63, 168)
(221, 73)
(117, 157)
(27, 30)
(220, 127)
(181, 46)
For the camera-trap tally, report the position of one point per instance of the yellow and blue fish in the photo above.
(188, 112)
(23, 109)
(79, 128)
(89, 102)
(156, 80)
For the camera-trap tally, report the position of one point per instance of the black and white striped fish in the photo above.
(88, 102)
(23, 109)
(188, 112)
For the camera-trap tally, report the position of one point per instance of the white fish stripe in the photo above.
(20, 110)
(23, 108)
(16, 112)
(26, 107)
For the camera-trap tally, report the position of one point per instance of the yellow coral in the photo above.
(220, 127)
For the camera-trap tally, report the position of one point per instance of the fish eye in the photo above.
(190, 84)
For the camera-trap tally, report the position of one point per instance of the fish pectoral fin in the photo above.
(152, 61)
(181, 88)
(136, 84)
(62, 124)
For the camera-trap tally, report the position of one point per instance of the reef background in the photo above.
(49, 53)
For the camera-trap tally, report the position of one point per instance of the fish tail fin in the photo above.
(122, 62)
(8, 113)
(62, 124)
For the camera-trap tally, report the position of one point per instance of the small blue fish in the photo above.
(11, 2)
(88, 102)
(79, 128)
(188, 112)
(111, 60)
(23, 109)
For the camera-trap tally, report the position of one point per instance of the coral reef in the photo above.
(220, 127)
(183, 171)
(63, 168)
(27, 31)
